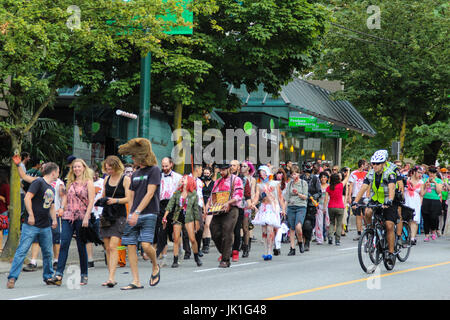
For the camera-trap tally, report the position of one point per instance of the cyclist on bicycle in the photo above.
(381, 180)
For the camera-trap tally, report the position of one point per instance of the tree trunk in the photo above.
(402, 136)
(15, 206)
(431, 152)
(178, 115)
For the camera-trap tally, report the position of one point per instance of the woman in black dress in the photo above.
(116, 188)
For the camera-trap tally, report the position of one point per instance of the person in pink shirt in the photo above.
(336, 206)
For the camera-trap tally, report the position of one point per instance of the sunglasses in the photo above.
(376, 164)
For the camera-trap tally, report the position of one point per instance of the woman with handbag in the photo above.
(184, 204)
(117, 190)
(77, 205)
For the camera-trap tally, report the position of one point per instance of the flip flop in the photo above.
(131, 286)
(153, 277)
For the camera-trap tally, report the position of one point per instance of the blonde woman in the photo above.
(76, 211)
(117, 190)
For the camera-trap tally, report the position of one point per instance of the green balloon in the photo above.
(248, 126)
(95, 127)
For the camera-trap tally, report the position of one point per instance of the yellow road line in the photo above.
(355, 281)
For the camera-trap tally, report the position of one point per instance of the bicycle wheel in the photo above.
(403, 251)
(367, 253)
(388, 264)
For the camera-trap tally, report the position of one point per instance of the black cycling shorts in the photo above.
(391, 214)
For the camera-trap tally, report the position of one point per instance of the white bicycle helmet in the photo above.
(379, 156)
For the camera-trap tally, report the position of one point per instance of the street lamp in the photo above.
(129, 115)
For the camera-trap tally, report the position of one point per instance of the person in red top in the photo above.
(336, 206)
(4, 201)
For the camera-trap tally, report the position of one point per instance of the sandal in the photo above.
(154, 277)
(56, 280)
(110, 284)
(132, 286)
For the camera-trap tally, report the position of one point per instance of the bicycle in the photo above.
(407, 215)
(373, 243)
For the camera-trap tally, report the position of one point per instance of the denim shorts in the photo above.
(295, 215)
(143, 231)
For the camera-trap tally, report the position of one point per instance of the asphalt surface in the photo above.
(326, 272)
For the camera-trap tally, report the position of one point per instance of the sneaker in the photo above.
(30, 267)
(276, 252)
(91, 264)
(11, 283)
(338, 243)
(427, 239)
(55, 265)
(356, 238)
(330, 241)
(433, 236)
(235, 256)
(187, 256)
(413, 242)
(291, 252)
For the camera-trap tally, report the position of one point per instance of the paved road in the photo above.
(325, 272)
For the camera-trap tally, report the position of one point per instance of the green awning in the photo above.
(307, 98)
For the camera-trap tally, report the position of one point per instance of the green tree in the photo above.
(249, 42)
(48, 45)
(397, 76)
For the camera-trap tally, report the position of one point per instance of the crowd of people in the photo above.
(142, 207)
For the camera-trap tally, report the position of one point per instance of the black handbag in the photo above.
(109, 213)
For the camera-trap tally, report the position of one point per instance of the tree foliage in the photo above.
(397, 74)
(47, 45)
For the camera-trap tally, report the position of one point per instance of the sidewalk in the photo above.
(98, 256)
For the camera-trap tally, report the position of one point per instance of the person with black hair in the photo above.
(431, 205)
(414, 191)
(336, 206)
(314, 193)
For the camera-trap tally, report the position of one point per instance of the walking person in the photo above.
(222, 225)
(282, 179)
(270, 210)
(196, 174)
(60, 192)
(445, 190)
(144, 208)
(169, 183)
(431, 205)
(414, 193)
(77, 205)
(247, 170)
(314, 194)
(355, 183)
(41, 218)
(208, 183)
(296, 200)
(336, 207)
(186, 211)
(96, 211)
(116, 189)
(322, 218)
